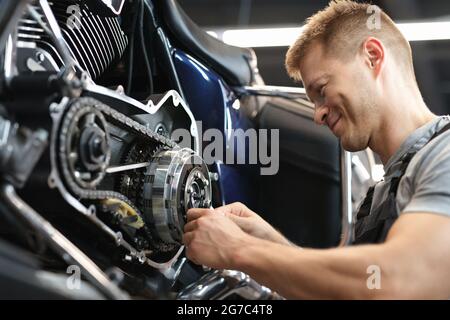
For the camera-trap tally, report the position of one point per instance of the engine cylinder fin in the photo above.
(107, 45)
(76, 54)
(95, 43)
(77, 36)
(118, 45)
(96, 39)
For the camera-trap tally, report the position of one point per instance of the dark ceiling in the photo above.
(431, 58)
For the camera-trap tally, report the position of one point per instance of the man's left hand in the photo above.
(211, 238)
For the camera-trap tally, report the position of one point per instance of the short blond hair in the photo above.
(342, 28)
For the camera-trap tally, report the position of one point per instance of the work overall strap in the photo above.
(372, 226)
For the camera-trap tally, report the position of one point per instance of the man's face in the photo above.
(343, 96)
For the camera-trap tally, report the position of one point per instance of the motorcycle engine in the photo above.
(110, 157)
(110, 166)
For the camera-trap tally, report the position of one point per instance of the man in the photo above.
(361, 81)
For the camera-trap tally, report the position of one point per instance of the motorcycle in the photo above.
(109, 115)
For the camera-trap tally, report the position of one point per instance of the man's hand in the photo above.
(211, 239)
(251, 223)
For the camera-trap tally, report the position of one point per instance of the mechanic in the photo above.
(362, 83)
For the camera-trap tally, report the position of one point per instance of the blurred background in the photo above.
(431, 56)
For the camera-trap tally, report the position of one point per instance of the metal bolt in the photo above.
(40, 57)
(205, 268)
(120, 89)
(214, 176)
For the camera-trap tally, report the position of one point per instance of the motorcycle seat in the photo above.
(234, 64)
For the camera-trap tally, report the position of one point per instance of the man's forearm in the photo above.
(316, 274)
(278, 237)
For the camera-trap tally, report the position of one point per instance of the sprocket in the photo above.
(132, 183)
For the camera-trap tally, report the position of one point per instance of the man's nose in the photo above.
(321, 114)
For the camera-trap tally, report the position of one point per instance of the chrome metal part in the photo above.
(176, 181)
(346, 189)
(221, 284)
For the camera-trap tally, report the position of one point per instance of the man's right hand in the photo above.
(251, 223)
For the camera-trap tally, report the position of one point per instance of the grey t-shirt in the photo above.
(425, 187)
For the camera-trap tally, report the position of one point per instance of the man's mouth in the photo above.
(333, 121)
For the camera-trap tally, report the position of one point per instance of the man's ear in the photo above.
(373, 52)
